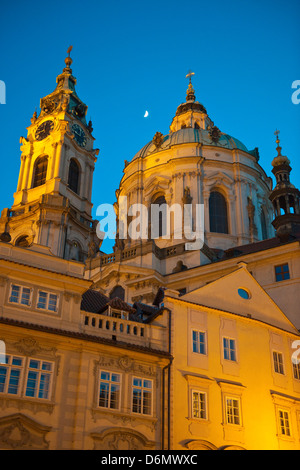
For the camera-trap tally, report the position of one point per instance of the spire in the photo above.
(64, 97)
(190, 93)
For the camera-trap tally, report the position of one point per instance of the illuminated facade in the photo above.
(156, 345)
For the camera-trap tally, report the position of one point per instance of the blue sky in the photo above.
(132, 56)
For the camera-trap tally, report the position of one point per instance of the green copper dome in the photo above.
(191, 135)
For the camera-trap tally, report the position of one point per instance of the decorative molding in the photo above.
(126, 364)
(23, 403)
(121, 439)
(20, 432)
(29, 346)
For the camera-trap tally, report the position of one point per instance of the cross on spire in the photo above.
(190, 74)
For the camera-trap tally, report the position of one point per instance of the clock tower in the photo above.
(52, 205)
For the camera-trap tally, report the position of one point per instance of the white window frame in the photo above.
(11, 367)
(142, 388)
(109, 382)
(278, 362)
(199, 392)
(39, 371)
(228, 338)
(238, 400)
(194, 330)
(47, 303)
(22, 287)
(23, 377)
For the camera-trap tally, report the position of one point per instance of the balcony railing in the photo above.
(127, 331)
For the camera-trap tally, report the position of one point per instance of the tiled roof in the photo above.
(92, 301)
(95, 302)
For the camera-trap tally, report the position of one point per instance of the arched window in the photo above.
(162, 215)
(75, 252)
(40, 172)
(73, 179)
(22, 241)
(117, 291)
(218, 213)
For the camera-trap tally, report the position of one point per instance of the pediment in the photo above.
(219, 178)
(17, 431)
(223, 294)
(120, 438)
(156, 184)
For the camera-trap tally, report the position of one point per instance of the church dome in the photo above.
(191, 135)
(198, 164)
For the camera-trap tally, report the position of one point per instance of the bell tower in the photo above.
(52, 204)
(284, 197)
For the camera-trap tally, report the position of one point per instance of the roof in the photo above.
(192, 135)
(258, 246)
(118, 304)
(92, 301)
(96, 302)
(84, 336)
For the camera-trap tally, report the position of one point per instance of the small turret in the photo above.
(284, 197)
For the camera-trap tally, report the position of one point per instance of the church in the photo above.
(158, 345)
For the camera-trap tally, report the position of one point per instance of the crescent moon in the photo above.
(146, 114)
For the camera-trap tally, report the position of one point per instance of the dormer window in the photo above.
(118, 314)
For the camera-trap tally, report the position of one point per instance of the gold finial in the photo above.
(277, 132)
(190, 93)
(69, 50)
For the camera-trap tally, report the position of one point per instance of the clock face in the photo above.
(44, 130)
(79, 135)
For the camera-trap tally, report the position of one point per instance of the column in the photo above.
(23, 158)
(57, 161)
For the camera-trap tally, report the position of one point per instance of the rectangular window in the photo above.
(142, 396)
(232, 411)
(10, 375)
(199, 405)
(229, 349)
(36, 373)
(199, 342)
(282, 272)
(47, 301)
(38, 382)
(296, 371)
(284, 423)
(20, 295)
(278, 362)
(109, 392)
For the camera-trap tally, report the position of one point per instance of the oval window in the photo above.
(244, 293)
